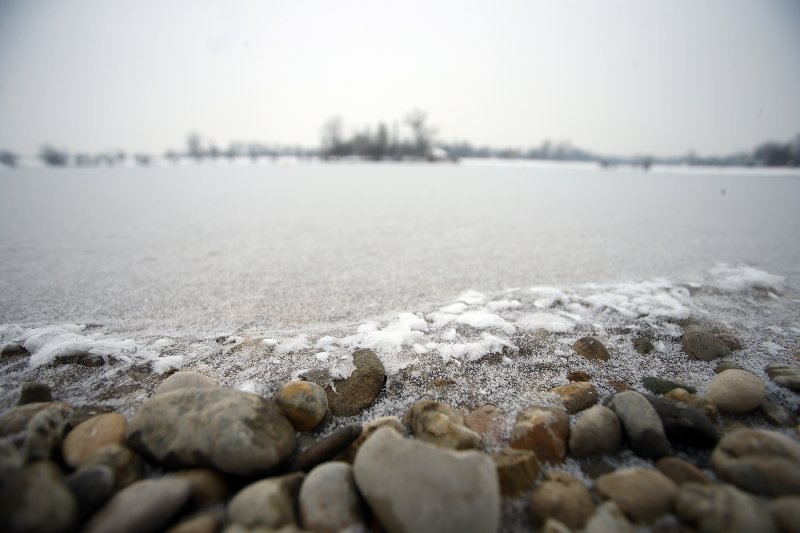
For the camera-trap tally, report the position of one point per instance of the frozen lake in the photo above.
(203, 249)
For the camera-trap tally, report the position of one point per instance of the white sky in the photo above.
(627, 76)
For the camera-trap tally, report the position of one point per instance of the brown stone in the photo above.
(563, 498)
(543, 430)
(517, 470)
(578, 375)
(489, 422)
(680, 471)
(303, 403)
(576, 396)
(347, 397)
(643, 495)
(591, 348)
(91, 435)
(207, 485)
(201, 523)
(440, 424)
(124, 462)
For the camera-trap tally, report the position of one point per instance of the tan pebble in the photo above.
(92, 434)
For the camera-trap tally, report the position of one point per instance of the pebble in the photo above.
(35, 392)
(576, 396)
(329, 500)
(489, 422)
(303, 403)
(207, 486)
(721, 508)
(785, 512)
(543, 430)
(440, 424)
(233, 431)
(16, 419)
(11, 460)
(641, 423)
(643, 345)
(37, 499)
(349, 454)
(563, 498)
(578, 375)
(85, 412)
(730, 341)
(347, 397)
(43, 435)
(127, 466)
(146, 506)
(758, 461)
(92, 488)
(596, 432)
(591, 348)
(201, 523)
(700, 344)
(684, 424)
(13, 350)
(642, 494)
(680, 471)
(186, 379)
(722, 366)
(416, 486)
(663, 386)
(778, 414)
(608, 518)
(736, 391)
(269, 503)
(785, 375)
(93, 434)
(517, 470)
(326, 449)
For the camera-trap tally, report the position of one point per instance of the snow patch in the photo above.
(484, 319)
(546, 321)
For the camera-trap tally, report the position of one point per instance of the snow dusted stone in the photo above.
(303, 403)
(597, 432)
(543, 430)
(347, 397)
(146, 506)
(233, 431)
(642, 494)
(576, 396)
(700, 344)
(736, 391)
(785, 375)
(591, 348)
(563, 498)
(184, 379)
(440, 424)
(721, 509)
(758, 461)
(643, 345)
(329, 500)
(269, 503)
(642, 425)
(415, 486)
(95, 433)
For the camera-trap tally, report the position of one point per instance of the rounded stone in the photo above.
(34, 392)
(303, 403)
(186, 379)
(489, 422)
(440, 424)
(785, 512)
(591, 348)
(785, 375)
(720, 508)
(643, 495)
(517, 470)
(349, 454)
(563, 498)
(596, 432)
(233, 431)
(350, 396)
(736, 391)
(127, 466)
(641, 423)
(326, 449)
(680, 471)
(579, 375)
(37, 499)
(92, 488)
(608, 518)
(208, 486)
(16, 419)
(146, 506)
(700, 344)
(329, 500)
(416, 486)
(643, 345)
(576, 396)
(543, 430)
(663, 386)
(269, 503)
(43, 435)
(92, 434)
(758, 461)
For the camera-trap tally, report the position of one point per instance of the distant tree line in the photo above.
(414, 140)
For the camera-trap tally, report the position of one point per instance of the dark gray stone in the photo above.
(701, 344)
(92, 487)
(37, 500)
(685, 424)
(13, 350)
(34, 392)
(721, 509)
(643, 427)
(778, 414)
(350, 396)
(43, 435)
(326, 449)
(662, 386)
(643, 345)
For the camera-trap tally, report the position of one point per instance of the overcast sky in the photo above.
(622, 77)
